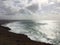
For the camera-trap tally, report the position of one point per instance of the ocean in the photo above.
(47, 31)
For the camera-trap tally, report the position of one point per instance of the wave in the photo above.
(42, 31)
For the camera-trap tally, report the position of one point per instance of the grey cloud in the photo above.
(30, 10)
(33, 7)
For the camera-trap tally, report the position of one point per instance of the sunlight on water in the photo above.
(47, 31)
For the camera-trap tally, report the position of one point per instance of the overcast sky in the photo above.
(29, 9)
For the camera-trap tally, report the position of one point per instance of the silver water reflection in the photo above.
(47, 31)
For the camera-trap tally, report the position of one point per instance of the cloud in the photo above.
(18, 9)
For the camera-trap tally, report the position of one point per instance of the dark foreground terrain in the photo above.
(8, 38)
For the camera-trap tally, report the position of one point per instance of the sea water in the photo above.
(47, 31)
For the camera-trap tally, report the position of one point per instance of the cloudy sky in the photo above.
(29, 9)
